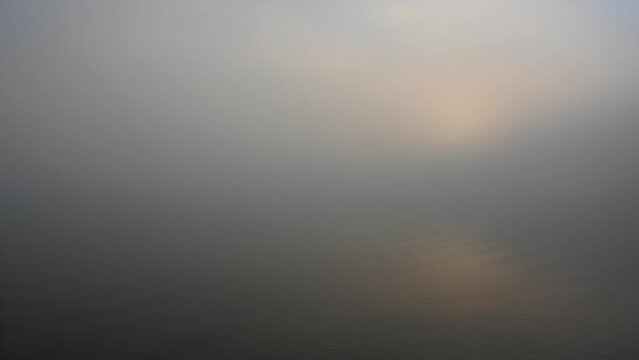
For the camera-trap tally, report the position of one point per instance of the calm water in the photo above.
(332, 276)
(387, 179)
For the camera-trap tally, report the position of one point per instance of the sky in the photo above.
(204, 100)
(212, 101)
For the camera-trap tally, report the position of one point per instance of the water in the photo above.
(326, 277)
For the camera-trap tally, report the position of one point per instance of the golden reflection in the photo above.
(454, 277)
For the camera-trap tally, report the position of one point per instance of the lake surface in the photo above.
(332, 276)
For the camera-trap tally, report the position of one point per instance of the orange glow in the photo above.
(455, 277)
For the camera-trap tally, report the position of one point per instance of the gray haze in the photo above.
(335, 179)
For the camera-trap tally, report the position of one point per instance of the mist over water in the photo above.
(320, 180)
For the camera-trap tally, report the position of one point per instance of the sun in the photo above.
(461, 116)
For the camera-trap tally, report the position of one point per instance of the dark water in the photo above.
(498, 272)
(319, 180)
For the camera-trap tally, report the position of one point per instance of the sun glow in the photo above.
(462, 111)
(450, 74)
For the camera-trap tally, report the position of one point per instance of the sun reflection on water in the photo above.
(454, 277)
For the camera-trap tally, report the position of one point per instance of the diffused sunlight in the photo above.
(453, 74)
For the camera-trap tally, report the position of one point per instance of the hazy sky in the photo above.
(189, 97)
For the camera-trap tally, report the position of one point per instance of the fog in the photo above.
(335, 179)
